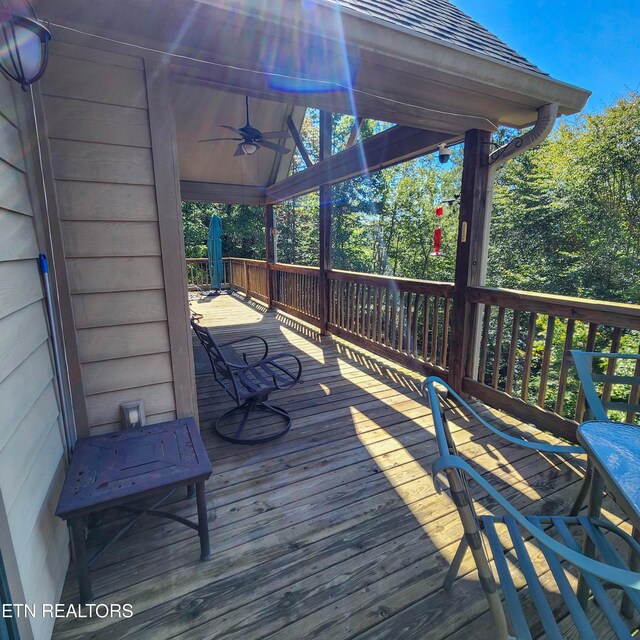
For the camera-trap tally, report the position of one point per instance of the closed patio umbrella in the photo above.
(214, 252)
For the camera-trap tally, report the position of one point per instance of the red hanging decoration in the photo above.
(437, 233)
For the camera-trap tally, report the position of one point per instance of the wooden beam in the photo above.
(325, 224)
(355, 132)
(386, 149)
(49, 228)
(225, 193)
(475, 172)
(299, 142)
(164, 151)
(269, 225)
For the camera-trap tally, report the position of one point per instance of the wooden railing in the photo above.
(198, 272)
(294, 289)
(518, 358)
(405, 320)
(523, 362)
(249, 276)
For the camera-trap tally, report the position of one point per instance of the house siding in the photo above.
(31, 432)
(104, 170)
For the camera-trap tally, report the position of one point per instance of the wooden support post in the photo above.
(269, 225)
(325, 224)
(475, 173)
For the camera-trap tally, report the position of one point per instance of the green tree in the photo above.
(566, 214)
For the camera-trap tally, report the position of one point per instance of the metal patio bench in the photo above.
(510, 538)
(249, 381)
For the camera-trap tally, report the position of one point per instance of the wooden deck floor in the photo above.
(333, 531)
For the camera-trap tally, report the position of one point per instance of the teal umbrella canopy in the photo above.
(214, 251)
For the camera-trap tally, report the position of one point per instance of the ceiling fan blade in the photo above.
(213, 139)
(274, 147)
(239, 152)
(275, 134)
(226, 126)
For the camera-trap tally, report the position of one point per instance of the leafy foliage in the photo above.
(566, 214)
(242, 229)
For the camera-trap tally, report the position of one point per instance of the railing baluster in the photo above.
(367, 324)
(497, 353)
(335, 301)
(564, 365)
(611, 364)
(347, 303)
(546, 359)
(401, 322)
(414, 331)
(513, 348)
(394, 318)
(434, 329)
(377, 312)
(484, 344)
(590, 346)
(634, 395)
(528, 354)
(445, 333)
(425, 326)
(354, 306)
(409, 341)
(387, 316)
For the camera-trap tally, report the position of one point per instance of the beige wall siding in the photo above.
(31, 440)
(100, 140)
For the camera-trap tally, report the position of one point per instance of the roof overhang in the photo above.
(296, 53)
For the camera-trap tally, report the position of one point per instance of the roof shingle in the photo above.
(440, 20)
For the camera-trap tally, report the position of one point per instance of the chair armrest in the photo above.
(246, 339)
(277, 360)
(622, 577)
(431, 396)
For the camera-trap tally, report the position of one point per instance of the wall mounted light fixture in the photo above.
(24, 43)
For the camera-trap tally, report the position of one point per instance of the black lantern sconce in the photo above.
(24, 43)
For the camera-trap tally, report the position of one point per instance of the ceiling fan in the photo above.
(252, 139)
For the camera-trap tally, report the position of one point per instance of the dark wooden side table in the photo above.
(113, 469)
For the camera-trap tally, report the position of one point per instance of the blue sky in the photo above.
(594, 44)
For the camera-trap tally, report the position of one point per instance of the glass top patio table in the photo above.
(614, 449)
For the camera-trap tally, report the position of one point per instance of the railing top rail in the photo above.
(408, 284)
(252, 260)
(614, 314)
(197, 259)
(294, 268)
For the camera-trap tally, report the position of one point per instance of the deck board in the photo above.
(334, 530)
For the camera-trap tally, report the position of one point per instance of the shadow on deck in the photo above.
(333, 531)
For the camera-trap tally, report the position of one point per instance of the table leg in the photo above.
(626, 607)
(596, 494)
(203, 523)
(80, 555)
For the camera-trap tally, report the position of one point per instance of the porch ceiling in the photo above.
(199, 111)
(289, 53)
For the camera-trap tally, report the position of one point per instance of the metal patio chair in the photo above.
(599, 402)
(249, 381)
(551, 534)
(542, 447)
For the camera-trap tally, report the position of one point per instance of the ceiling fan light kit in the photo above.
(248, 148)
